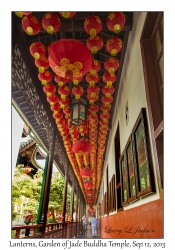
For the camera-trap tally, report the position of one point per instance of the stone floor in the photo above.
(88, 234)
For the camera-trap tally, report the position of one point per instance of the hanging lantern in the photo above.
(116, 21)
(82, 146)
(78, 91)
(42, 64)
(79, 111)
(96, 66)
(114, 45)
(31, 24)
(51, 22)
(60, 80)
(55, 108)
(94, 44)
(105, 108)
(77, 80)
(93, 108)
(93, 25)
(89, 191)
(66, 60)
(52, 99)
(104, 116)
(66, 110)
(49, 89)
(93, 91)
(58, 115)
(108, 91)
(86, 172)
(45, 77)
(92, 79)
(109, 79)
(92, 99)
(63, 91)
(64, 102)
(105, 99)
(37, 50)
(111, 65)
(67, 14)
(22, 13)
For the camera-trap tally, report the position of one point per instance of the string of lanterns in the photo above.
(71, 60)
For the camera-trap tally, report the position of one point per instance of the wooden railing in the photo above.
(53, 230)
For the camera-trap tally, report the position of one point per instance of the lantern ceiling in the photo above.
(76, 60)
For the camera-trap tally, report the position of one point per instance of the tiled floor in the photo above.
(88, 235)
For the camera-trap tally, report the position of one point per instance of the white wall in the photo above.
(131, 90)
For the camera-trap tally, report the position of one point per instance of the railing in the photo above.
(53, 230)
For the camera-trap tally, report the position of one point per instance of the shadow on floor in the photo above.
(88, 235)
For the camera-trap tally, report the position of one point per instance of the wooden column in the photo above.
(64, 202)
(72, 201)
(77, 206)
(77, 221)
(48, 181)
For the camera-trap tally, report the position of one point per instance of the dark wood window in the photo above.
(136, 168)
(153, 66)
(117, 157)
(112, 195)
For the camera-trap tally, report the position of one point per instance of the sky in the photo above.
(169, 96)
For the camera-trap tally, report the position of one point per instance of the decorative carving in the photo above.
(21, 79)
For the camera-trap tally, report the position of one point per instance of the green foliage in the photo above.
(26, 191)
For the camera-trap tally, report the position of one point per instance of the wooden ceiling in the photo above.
(27, 90)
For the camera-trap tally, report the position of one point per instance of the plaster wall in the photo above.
(131, 91)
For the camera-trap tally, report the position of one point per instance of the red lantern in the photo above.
(64, 102)
(37, 50)
(63, 91)
(77, 80)
(108, 91)
(66, 110)
(115, 21)
(42, 64)
(105, 108)
(92, 79)
(51, 22)
(109, 79)
(105, 99)
(66, 60)
(60, 80)
(55, 107)
(31, 24)
(104, 116)
(52, 99)
(45, 77)
(49, 89)
(88, 184)
(67, 14)
(58, 115)
(96, 66)
(114, 45)
(93, 91)
(22, 13)
(77, 91)
(111, 65)
(89, 191)
(93, 25)
(94, 44)
(82, 146)
(92, 99)
(86, 172)
(94, 108)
